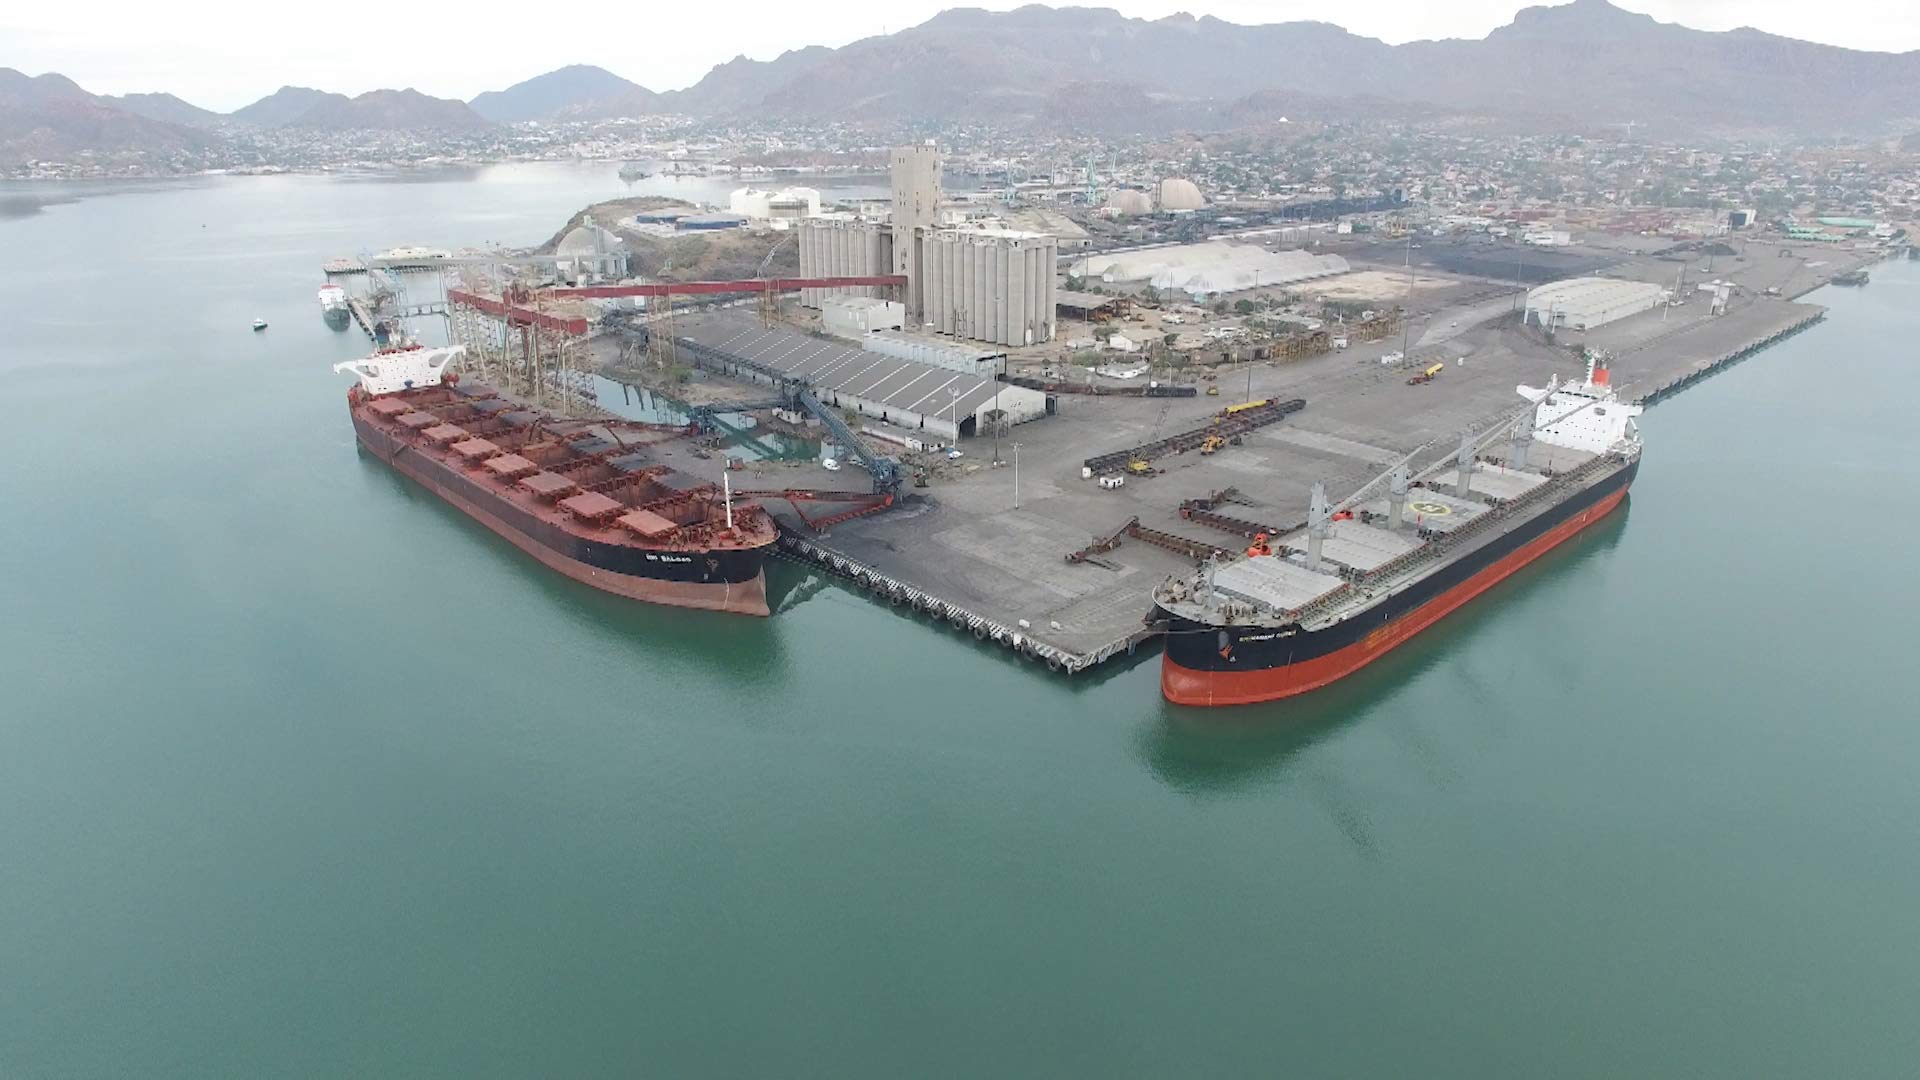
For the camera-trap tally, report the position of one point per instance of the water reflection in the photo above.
(745, 436)
(19, 206)
(738, 645)
(424, 174)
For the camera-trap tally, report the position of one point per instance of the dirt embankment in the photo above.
(720, 255)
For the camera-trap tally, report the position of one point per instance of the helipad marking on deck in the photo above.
(1432, 509)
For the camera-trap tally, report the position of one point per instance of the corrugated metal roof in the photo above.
(1590, 294)
(845, 369)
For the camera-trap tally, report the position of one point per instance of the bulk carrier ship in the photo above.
(572, 493)
(1399, 554)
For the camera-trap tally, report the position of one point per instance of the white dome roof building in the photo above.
(589, 250)
(1129, 203)
(1176, 194)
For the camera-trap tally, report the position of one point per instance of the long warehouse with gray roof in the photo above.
(904, 393)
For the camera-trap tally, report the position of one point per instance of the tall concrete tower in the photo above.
(915, 172)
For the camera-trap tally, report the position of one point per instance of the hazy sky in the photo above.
(222, 54)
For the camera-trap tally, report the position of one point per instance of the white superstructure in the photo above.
(332, 298)
(402, 369)
(1583, 416)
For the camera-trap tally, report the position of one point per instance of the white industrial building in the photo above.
(993, 285)
(908, 395)
(781, 209)
(590, 253)
(1208, 269)
(858, 316)
(939, 352)
(1584, 303)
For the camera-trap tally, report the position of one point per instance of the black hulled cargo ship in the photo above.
(1398, 555)
(583, 497)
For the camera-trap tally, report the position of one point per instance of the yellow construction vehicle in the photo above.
(1211, 443)
(1427, 376)
(1139, 468)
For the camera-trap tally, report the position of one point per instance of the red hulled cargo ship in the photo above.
(577, 495)
(1398, 555)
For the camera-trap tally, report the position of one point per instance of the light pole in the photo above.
(998, 417)
(1016, 476)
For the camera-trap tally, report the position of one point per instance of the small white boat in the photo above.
(259, 325)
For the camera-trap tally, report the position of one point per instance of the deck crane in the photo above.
(1516, 427)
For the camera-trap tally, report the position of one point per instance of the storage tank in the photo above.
(839, 247)
(991, 285)
(1177, 193)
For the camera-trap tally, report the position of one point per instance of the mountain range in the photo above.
(1585, 63)
(1579, 66)
(50, 117)
(578, 90)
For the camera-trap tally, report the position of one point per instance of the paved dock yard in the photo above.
(964, 541)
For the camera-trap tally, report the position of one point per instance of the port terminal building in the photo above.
(942, 403)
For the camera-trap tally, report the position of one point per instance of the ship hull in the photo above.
(1242, 665)
(731, 580)
(336, 317)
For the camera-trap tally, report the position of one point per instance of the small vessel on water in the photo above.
(632, 171)
(259, 325)
(1360, 578)
(582, 496)
(333, 306)
(1851, 277)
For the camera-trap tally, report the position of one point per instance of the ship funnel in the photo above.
(1463, 466)
(1397, 498)
(1319, 518)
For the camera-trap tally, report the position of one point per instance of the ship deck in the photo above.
(592, 479)
(1364, 562)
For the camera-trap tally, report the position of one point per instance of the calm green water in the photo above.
(303, 774)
